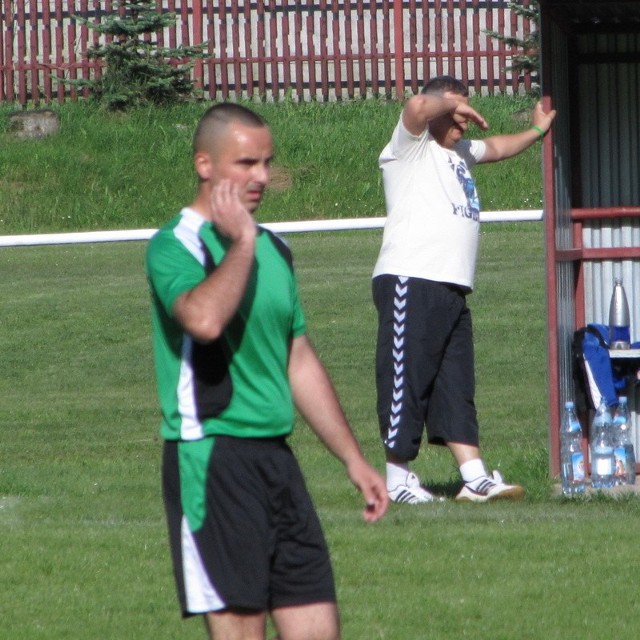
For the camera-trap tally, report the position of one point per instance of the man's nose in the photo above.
(261, 173)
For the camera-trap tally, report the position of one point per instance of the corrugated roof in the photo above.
(610, 15)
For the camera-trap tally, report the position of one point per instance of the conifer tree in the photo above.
(527, 62)
(136, 69)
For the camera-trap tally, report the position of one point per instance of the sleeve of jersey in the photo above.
(172, 269)
(298, 323)
(472, 151)
(404, 145)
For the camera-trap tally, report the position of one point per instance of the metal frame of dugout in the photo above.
(590, 53)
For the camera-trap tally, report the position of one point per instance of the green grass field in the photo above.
(83, 550)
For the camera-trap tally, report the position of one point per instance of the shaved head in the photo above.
(232, 145)
(214, 123)
(443, 84)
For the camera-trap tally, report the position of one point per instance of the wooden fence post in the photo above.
(398, 39)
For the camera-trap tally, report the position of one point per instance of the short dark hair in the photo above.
(216, 118)
(441, 84)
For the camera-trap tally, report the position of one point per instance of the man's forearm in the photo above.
(205, 310)
(318, 403)
(506, 146)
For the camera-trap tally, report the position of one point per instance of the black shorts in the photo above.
(424, 364)
(243, 531)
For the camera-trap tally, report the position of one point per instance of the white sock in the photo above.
(396, 474)
(472, 470)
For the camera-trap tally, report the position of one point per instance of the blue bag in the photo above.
(599, 377)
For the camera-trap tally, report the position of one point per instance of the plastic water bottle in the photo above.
(619, 323)
(602, 465)
(623, 453)
(571, 454)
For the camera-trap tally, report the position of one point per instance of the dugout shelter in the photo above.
(590, 55)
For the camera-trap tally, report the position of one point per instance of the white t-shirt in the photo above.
(433, 210)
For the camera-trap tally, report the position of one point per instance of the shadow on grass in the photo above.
(447, 490)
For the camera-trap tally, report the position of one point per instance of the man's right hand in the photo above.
(463, 112)
(228, 213)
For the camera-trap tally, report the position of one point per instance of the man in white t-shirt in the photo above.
(425, 269)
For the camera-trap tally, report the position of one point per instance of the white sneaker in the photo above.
(412, 492)
(489, 488)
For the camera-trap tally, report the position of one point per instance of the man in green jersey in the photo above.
(232, 360)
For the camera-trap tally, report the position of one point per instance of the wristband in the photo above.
(535, 127)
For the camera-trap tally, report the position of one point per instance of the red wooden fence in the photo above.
(309, 49)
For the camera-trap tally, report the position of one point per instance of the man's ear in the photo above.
(203, 165)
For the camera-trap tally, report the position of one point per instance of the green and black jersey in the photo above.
(238, 384)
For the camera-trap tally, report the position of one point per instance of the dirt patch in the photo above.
(281, 179)
(12, 186)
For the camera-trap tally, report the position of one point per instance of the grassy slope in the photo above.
(107, 171)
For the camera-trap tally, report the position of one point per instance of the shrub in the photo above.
(527, 62)
(137, 70)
